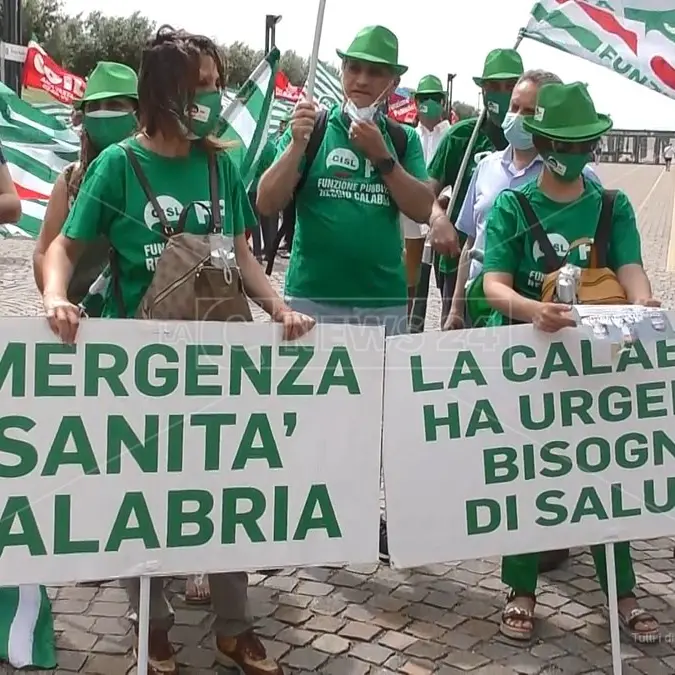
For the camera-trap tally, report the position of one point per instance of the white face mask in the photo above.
(366, 114)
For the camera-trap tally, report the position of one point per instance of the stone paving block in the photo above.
(357, 630)
(397, 641)
(296, 636)
(370, 652)
(305, 658)
(331, 644)
(345, 666)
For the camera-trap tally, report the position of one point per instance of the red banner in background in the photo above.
(284, 89)
(402, 109)
(40, 71)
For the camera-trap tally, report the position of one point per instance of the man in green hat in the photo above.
(430, 99)
(501, 71)
(352, 172)
(565, 128)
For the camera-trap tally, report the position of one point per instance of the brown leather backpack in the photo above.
(186, 286)
(598, 284)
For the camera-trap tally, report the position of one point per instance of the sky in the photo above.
(438, 37)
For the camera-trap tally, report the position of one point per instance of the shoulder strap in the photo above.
(315, 140)
(604, 229)
(142, 179)
(551, 258)
(398, 137)
(214, 189)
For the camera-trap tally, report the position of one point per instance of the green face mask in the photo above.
(431, 109)
(205, 113)
(497, 104)
(566, 166)
(107, 127)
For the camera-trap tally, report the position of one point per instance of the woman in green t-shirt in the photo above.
(108, 111)
(565, 131)
(179, 100)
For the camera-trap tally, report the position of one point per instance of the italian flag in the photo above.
(26, 628)
(633, 38)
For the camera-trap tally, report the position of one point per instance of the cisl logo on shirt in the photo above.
(343, 158)
(173, 208)
(561, 246)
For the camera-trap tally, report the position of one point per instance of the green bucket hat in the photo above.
(429, 84)
(375, 44)
(501, 64)
(565, 112)
(109, 80)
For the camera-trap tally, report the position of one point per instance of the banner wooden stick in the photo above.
(143, 625)
(613, 607)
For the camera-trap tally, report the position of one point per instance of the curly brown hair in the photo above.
(168, 78)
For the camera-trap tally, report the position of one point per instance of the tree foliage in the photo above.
(464, 110)
(79, 41)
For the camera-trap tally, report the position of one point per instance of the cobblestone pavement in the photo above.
(366, 620)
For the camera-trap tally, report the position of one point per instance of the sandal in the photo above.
(517, 621)
(628, 623)
(197, 590)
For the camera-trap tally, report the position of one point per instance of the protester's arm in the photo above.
(625, 252)
(466, 223)
(503, 251)
(55, 216)
(442, 173)
(456, 316)
(99, 200)
(256, 282)
(278, 183)
(10, 204)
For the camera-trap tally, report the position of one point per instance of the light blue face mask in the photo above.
(514, 132)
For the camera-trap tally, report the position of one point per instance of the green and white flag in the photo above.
(26, 628)
(37, 146)
(327, 88)
(245, 121)
(634, 38)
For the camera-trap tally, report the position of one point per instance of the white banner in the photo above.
(505, 441)
(178, 448)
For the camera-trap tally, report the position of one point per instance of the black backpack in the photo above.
(399, 140)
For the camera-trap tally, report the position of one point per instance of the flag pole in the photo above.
(419, 307)
(314, 60)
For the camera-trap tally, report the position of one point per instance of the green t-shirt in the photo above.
(511, 248)
(265, 161)
(112, 203)
(348, 247)
(444, 168)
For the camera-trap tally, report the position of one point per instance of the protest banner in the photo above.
(174, 448)
(505, 441)
(40, 71)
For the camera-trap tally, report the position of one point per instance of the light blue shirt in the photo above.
(493, 174)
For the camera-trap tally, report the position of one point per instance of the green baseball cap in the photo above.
(375, 44)
(109, 80)
(501, 64)
(565, 112)
(429, 84)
